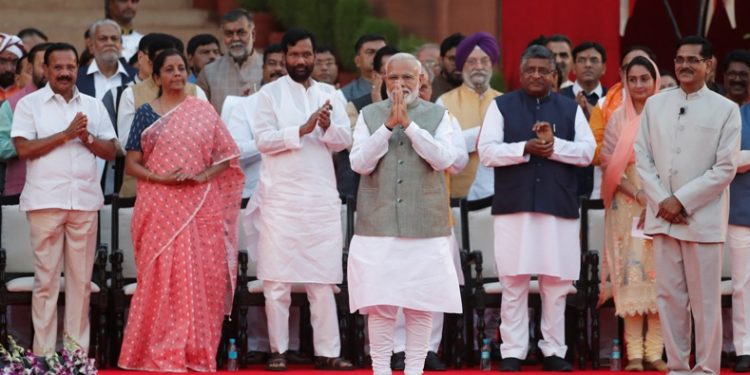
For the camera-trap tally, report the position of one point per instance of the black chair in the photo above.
(487, 284)
(249, 293)
(587, 207)
(17, 276)
(123, 271)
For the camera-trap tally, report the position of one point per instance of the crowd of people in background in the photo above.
(191, 129)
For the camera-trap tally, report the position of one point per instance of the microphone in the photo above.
(682, 111)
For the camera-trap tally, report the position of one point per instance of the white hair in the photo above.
(105, 21)
(403, 56)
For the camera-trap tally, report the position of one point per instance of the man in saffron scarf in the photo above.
(184, 227)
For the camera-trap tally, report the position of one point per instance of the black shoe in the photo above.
(296, 357)
(256, 357)
(555, 363)
(398, 361)
(433, 363)
(510, 364)
(742, 364)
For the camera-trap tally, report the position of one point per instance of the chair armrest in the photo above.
(242, 258)
(100, 266)
(116, 259)
(479, 279)
(3, 263)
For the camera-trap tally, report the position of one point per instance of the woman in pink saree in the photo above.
(184, 227)
(628, 256)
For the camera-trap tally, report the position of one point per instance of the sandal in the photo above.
(338, 364)
(277, 362)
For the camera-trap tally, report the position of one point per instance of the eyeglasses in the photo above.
(239, 32)
(407, 78)
(530, 71)
(690, 60)
(735, 75)
(484, 61)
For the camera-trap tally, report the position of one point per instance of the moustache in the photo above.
(64, 78)
(277, 74)
(237, 45)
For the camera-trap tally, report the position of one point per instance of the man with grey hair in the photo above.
(535, 139)
(105, 71)
(240, 71)
(475, 57)
(400, 256)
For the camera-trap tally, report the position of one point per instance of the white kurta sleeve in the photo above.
(644, 162)
(338, 136)
(270, 137)
(439, 150)
(367, 148)
(240, 127)
(493, 151)
(125, 115)
(580, 151)
(470, 138)
(462, 156)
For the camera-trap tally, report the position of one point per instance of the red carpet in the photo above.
(307, 370)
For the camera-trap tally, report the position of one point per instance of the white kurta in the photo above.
(535, 243)
(293, 220)
(239, 112)
(414, 273)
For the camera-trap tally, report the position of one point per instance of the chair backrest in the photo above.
(592, 226)
(122, 214)
(15, 237)
(478, 232)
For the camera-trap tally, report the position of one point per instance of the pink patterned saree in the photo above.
(185, 240)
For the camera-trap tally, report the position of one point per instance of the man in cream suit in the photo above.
(686, 155)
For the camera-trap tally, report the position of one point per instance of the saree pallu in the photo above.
(185, 240)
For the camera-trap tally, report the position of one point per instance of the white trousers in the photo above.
(323, 317)
(514, 316)
(688, 280)
(738, 241)
(399, 334)
(257, 329)
(57, 237)
(381, 321)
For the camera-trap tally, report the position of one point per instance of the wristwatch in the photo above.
(90, 139)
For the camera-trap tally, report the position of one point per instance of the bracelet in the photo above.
(205, 174)
(636, 193)
(148, 177)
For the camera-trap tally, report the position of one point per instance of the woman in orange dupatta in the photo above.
(628, 260)
(184, 227)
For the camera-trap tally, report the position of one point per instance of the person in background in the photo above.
(202, 50)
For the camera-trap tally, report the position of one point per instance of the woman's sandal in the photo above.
(327, 363)
(277, 362)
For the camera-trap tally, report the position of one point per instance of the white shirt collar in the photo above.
(48, 94)
(598, 90)
(94, 68)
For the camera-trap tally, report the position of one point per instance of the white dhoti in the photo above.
(415, 273)
(535, 244)
(418, 275)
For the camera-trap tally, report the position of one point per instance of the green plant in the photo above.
(410, 43)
